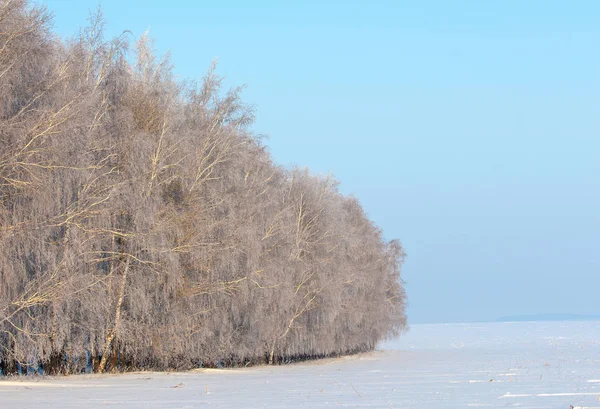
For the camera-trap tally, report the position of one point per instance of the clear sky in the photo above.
(468, 129)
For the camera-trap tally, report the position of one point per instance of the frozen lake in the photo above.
(523, 365)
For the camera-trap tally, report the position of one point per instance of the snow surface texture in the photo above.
(523, 365)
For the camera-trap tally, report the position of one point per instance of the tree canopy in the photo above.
(143, 224)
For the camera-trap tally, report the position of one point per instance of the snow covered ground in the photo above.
(523, 365)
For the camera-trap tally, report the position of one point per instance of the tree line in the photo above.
(144, 225)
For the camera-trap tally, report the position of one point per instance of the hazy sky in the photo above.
(468, 129)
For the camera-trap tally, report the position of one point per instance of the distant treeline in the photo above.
(142, 224)
(549, 317)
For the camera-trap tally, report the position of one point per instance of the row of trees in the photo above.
(143, 225)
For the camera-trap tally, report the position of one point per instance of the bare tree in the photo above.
(143, 225)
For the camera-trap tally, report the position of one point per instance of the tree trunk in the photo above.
(113, 331)
(272, 353)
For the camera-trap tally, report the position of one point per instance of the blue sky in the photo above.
(468, 129)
